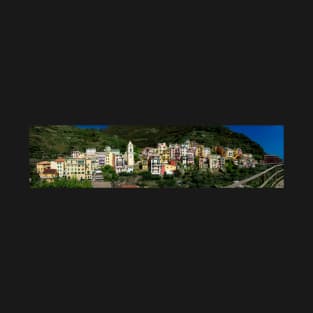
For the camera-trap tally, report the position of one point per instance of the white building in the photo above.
(206, 152)
(214, 161)
(187, 143)
(58, 165)
(190, 157)
(155, 165)
(76, 154)
(229, 153)
(184, 150)
(222, 162)
(109, 160)
(119, 163)
(91, 152)
(130, 155)
(101, 158)
(92, 166)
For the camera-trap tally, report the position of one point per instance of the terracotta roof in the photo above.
(44, 163)
(59, 160)
(50, 171)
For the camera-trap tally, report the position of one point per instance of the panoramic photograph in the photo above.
(156, 156)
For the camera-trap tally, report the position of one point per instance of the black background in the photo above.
(135, 97)
(163, 235)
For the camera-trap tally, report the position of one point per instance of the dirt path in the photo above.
(101, 184)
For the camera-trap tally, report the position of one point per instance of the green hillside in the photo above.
(143, 136)
(47, 142)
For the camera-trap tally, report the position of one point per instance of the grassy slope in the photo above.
(46, 142)
(210, 136)
(51, 141)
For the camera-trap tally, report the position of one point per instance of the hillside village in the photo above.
(164, 159)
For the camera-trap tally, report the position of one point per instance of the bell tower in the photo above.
(130, 154)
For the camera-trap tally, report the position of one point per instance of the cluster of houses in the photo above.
(164, 159)
(85, 165)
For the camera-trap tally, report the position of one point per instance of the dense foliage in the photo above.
(48, 142)
(108, 173)
(143, 136)
(193, 178)
(62, 183)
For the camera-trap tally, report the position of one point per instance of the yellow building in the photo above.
(238, 153)
(58, 165)
(162, 147)
(91, 166)
(75, 168)
(165, 156)
(145, 166)
(41, 166)
(229, 153)
(109, 156)
(169, 169)
(199, 151)
(109, 159)
(49, 175)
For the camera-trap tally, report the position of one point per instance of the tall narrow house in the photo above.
(130, 154)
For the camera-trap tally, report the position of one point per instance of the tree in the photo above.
(167, 181)
(177, 173)
(229, 166)
(34, 178)
(197, 162)
(136, 157)
(63, 183)
(109, 173)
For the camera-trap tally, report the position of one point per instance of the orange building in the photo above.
(49, 174)
(41, 166)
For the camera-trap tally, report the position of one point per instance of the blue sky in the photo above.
(270, 137)
(92, 126)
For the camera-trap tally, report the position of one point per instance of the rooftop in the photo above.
(50, 171)
(44, 163)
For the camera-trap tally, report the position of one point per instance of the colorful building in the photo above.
(91, 166)
(130, 155)
(75, 168)
(271, 159)
(203, 163)
(59, 165)
(229, 153)
(147, 152)
(199, 151)
(214, 162)
(160, 160)
(119, 163)
(49, 175)
(162, 147)
(206, 152)
(155, 165)
(145, 165)
(41, 166)
(169, 169)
